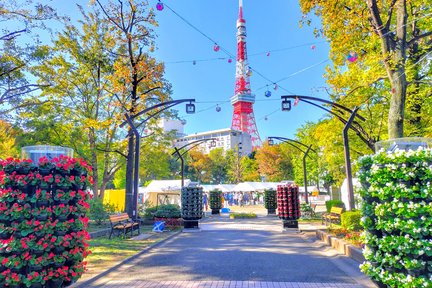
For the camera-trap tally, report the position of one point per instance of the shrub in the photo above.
(168, 211)
(270, 199)
(215, 199)
(351, 220)
(99, 211)
(148, 213)
(336, 203)
(306, 211)
(242, 215)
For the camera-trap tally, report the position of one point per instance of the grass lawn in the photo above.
(109, 252)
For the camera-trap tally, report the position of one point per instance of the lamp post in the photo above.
(194, 144)
(132, 198)
(305, 154)
(350, 123)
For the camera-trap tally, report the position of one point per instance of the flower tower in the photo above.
(243, 99)
(43, 222)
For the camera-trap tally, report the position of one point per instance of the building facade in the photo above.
(224, 138)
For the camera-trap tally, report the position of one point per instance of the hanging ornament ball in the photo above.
(313, 47)
(352, 57)
(218, 109)
(216, 48)
(159, 6)
(229, 60)
(265, 118)
(249, 72)
(268, 54)
(194, 62)
(183, 122)
(267, 93)
(275, 86)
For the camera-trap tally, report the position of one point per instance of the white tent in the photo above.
(226, 188)
(208, 188)
(160, 192)
(249, 187)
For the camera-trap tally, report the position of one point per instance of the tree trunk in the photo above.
(397, 75)
(94, 162)
(129, 174)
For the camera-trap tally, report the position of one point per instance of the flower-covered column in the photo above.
(288, 205)
(43, 222)
(192, 206)
(397, 217)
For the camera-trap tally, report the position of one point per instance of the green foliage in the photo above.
(168, 211)
(351, 220)
(215, 199)
(99, 211)
(149, 212)
(270, 199)
(243, 215)
(306, 211)
(336, 203)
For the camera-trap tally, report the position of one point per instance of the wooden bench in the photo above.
(333, 217)
(122, 224)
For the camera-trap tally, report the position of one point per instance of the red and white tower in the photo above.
(243, 99)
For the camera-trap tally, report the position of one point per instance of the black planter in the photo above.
(36, 285)
(58, 265)
(54, 283)
(42, 203)
(271, 211)
(215, 211)
(37, 252)
(45, 171)
(290, 224)
(42, 217)
(190, 224)
(61, 217)
(35, 268)
(5, 235)
(61, 201)
(59, 249)
(60, 233)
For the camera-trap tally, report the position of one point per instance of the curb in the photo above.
(87, 282)
(341, 246)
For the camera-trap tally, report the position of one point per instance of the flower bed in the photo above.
(42, 223)
(288, 202)
(242, 215)
(397, 217)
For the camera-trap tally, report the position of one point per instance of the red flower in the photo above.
(5, 260)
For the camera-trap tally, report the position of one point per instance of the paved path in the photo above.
(245, 253)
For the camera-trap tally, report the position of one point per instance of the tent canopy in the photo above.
(164, 186)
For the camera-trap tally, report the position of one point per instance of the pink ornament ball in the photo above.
(313, 47)
(352, 57)
(229, 60)
(159, 6)
(268, 54)
(216, 48)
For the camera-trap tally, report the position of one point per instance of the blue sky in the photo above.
(272, 26)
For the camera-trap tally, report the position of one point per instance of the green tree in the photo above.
(20, 48)
(136, 73)
(392, 42)
(218, 165)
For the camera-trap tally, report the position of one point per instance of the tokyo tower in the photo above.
(243, 99)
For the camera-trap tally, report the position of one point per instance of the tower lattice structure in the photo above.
(243, 99)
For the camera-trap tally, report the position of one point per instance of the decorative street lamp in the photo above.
(270, 141)
(349, 123)
(286, 105)
(132, 198)
(193, 144)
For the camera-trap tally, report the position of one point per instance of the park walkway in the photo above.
(240, 253)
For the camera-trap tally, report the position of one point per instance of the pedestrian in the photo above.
(205, 201)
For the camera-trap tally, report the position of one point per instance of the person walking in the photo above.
(205, 201)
